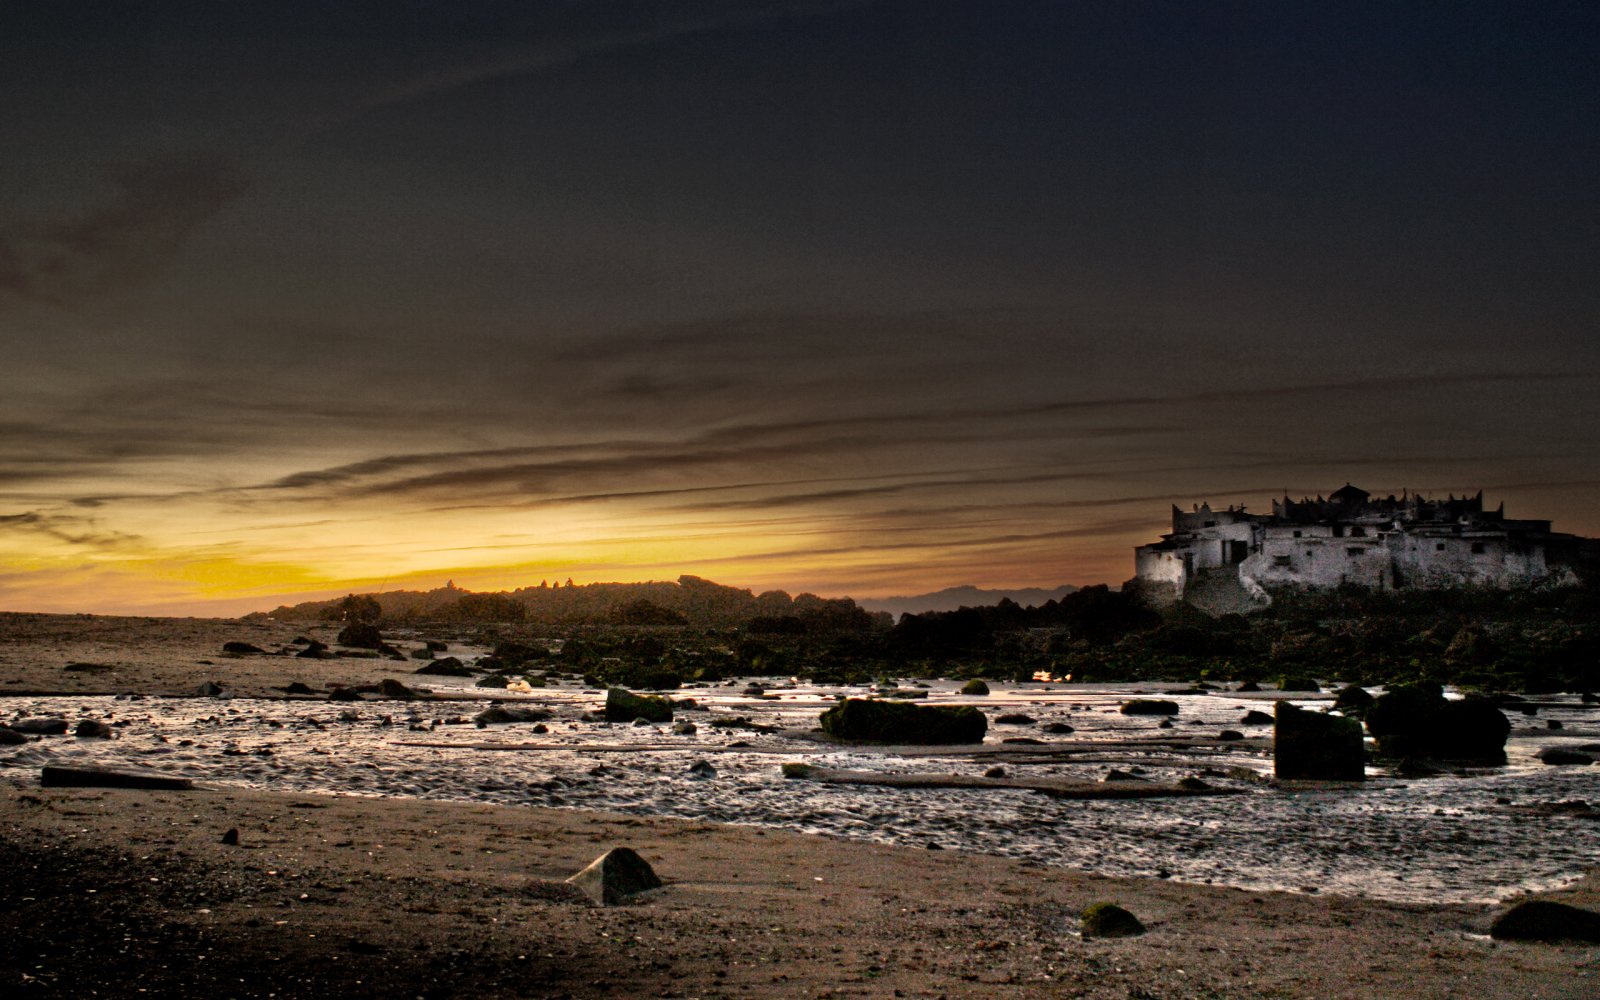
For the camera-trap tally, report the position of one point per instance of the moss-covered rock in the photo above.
(1353, 699)
(361, 635)
(1108, 920)
(1313, 746)
(1149, 706)
(447, 666)
(625, 706)
(898, 722)
(1297, 682)
(974, 687)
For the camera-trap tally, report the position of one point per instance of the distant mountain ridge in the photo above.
(952, 598)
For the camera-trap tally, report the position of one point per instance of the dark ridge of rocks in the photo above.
(1149, 706)
(60, 776)
(1542, 920)
(876, 721)
(241, 648)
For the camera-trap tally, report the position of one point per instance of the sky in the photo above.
(856, 298)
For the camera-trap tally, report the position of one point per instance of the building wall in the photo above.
(1320, 560)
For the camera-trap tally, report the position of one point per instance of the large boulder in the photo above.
(391, 688)
(361, 635)
(1353, 699)
(242, 648)
(1540, 920)
(975, 687)
(1416, 720)
(1297, 682)
(873, 721)
(42, 726)
(495, 714)
(615, 876)
(1314, 746)
(625, 706)
(1149, 706)
(1108, 920)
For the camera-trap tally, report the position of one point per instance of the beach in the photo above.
(111, 892)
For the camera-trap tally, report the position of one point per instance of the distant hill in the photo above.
(689, 600)
(952, 598)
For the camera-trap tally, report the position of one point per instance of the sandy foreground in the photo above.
(129, 893)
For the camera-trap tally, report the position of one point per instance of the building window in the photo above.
(1282, 561)
(1338, 531)
(1477, 548)
(1358, 532)
(1353, 552)
(1209, 524)
(1308, 552)
(1438, 547)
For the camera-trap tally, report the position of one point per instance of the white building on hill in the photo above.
(1351, 538)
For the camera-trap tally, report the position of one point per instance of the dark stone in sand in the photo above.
(1553, 724)
(343, 694)
(40, 727)
(702, 769)
(361, 635)
(507, 713)
(391, 688)
(1193, 784)
(1255, 718)
(1353, 699)
(436, 645)
(1058, 728)
(1539, 920)
(1014, 719)
(1415, 720)
(1316, 747)
(447, 666)
(210, 689)
(422, 653)
(10, 737)
(314, 650)
(87, 668)
(1248, 686)
(685, 728)
(1165, 724)
(1556, 756)
(616, 876)
(1119, 775)
(241, 647)
(53, 776)
(1229, 735)
(898, 722)
(995, 772)
(1108, 920)
(493, 681)
(231, 837)
(297, 687)
(1024, 741)
(974, 687)
(92, 729)
(1149, 706)
(625, 706)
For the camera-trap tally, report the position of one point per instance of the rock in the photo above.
(493, 681)
(974, 687)
(901, 722)
(446, 666)
(1116, 774)
(1059, 728)
(1108, 920)
(10, 737)
(55, 776)
(1230, 735)
(995, 772)
(1149, 706)
(296, 687)
(1014, 719)
(1248, 686)
(92, 729)
(1165, 724)
(496, 714)
(1353, 699)
(1540, 920)
(1415, 720)
(1315, 746)
(343, 694)
(40, 726)
(436, 645)
(541, 728)
(643, 724)
(1193, 784)
(231, 837)
(1028, 741)
(241, 647)
(314, 650)
(625, 706)
(754, 691)
(685, 728)
(1556, 756)
(210, 689)
(1255, 718)
(422, 653)
(361, 635)
(702, 769)
(391, 688)
(616, 876)
(1553, 724)
(1297, 682)
(797, 770)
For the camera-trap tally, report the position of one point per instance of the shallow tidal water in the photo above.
(1461, 837)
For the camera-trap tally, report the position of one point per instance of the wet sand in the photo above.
(343, 895)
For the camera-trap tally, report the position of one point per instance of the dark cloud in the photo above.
(149, 209)
(72, 530)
